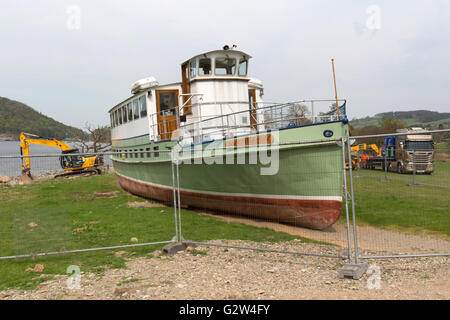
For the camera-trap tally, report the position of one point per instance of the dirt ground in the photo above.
(369, 238)
(210, 272)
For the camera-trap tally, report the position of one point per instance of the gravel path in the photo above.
(221, 273)
(369, 238)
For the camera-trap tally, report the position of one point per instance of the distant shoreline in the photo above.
(8, 138)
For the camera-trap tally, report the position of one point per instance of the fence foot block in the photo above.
(173, 248)
(353, 270)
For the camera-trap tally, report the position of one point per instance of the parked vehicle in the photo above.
(405, 153)
(70, 162)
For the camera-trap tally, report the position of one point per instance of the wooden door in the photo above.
(252, 108)
(166, 102)
(186, 87)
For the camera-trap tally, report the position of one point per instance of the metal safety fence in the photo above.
(324, 198)
(56, 213)
(402, 188)
(304, 197)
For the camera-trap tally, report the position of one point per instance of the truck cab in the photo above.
(414, 152)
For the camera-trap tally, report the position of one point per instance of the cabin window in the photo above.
(156, 154)
(129, 112)
(119, 116)
(167, 103)
(225, 66)
(115, 118)
(136, 108)
(143, 103)
(136, 154)
(243, 65)
(142, 153)
(192, 68)
(149, 154)
(204, 66)
(124, 114)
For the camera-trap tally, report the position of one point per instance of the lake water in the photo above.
(13, 167)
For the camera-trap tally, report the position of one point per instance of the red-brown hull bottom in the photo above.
(314, 214)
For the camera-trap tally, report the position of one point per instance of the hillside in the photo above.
(421, 118)
(16, 117)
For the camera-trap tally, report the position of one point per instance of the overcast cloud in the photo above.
(399, 62)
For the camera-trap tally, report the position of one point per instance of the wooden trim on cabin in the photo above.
(167, 123)
(252, 107)
(186, 87)
(265, 139)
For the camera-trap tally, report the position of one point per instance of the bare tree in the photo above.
(300, 113)
(99, 138)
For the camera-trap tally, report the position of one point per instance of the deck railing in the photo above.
(218, 120)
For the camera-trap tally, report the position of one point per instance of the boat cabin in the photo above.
(215, 98)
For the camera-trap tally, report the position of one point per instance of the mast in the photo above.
(335, 89)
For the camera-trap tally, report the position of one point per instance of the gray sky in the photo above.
(394, 56)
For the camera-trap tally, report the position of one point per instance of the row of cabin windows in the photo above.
(223, 66)
(133, 110)
(140, 153)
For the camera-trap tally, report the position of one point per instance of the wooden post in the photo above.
(335, 89)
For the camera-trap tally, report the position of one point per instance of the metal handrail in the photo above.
(271, 113)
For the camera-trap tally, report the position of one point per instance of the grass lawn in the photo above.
(395, 205)
(93, 212)
(89, 212)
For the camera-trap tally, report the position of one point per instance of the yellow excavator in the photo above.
(359, 147)
(71, 162)
(364, 146)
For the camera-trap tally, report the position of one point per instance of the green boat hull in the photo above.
(305, 190)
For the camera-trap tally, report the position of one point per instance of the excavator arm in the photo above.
(25, 142)
(364, 146)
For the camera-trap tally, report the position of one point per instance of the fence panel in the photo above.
(402, 208)
(302, 197)
(81, 212)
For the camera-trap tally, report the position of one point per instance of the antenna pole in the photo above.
(335, 89)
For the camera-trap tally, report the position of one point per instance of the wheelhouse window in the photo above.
(225, 66)
(192, 68)
(124, 114)
(136, 108)
(129, 112)
(204, 66)
(143, 103)
(243, 65)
